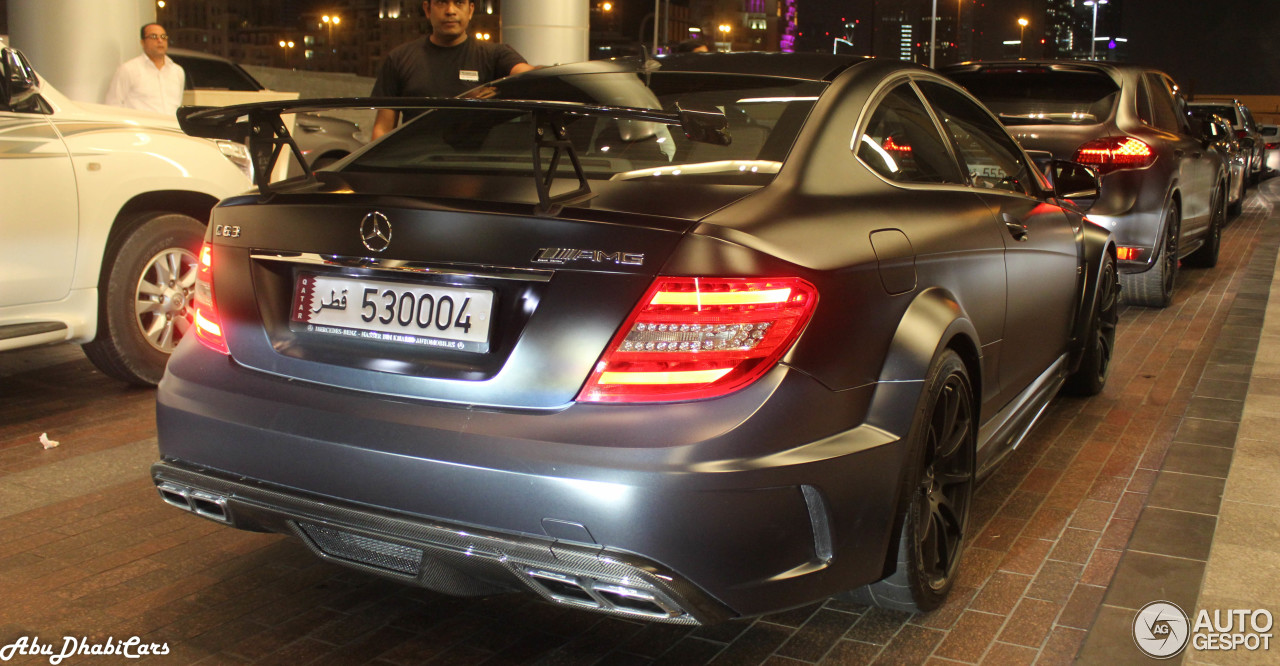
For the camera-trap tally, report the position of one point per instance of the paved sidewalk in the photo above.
(1069, 535)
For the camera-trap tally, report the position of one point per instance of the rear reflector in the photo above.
(1128, 253)
(697, 338)
(1115, 153)
(208, 325)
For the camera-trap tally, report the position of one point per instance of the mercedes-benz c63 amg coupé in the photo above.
(688, 339)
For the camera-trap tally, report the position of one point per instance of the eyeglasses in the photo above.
(163, 38)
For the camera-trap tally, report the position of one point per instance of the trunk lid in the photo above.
(305, 291)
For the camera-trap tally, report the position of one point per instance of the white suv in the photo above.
(104, 211)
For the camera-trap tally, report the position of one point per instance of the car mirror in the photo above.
(1075, 182)
(20, 81)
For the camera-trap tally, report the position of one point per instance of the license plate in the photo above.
(428, 315)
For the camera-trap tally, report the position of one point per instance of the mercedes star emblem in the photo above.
(375, 231)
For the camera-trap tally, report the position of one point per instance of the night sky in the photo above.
(1209, 46)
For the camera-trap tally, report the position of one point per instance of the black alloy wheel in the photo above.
(1095, 364)
(946, 484)
(938, 495)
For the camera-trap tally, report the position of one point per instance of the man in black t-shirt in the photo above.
(443, 64)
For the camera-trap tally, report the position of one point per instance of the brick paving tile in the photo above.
(756, 644)
(1075, 546)
(1004, 654)
(912, 645)
(971, 636)
(1116, 536)
(1101, 566)
(1055, 581)
(1000, 595)
(877, 626)
(1047, 523)
(817, 635)
(1030, 622)
(851, 652)
(945, 616)
(1026, 556)
(1062, 647)
(977, 565)
(1082, 606)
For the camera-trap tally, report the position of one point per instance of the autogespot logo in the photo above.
(1161, 629)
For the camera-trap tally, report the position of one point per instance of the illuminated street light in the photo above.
(287, 45)
(160, 4)
(608, 6)
(1022, 29)
(1093, 36)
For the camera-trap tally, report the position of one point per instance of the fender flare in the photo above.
(1097, 243)
(935, 321)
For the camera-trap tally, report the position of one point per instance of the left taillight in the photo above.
(696, 338)
(1115, 153)
(208, 324)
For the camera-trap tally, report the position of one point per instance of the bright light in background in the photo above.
(160, 4)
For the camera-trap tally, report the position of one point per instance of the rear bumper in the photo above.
(712, 510)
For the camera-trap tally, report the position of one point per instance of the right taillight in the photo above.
(1115, 153)
(208, 325)
(695, 338)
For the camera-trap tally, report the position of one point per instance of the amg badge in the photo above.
(560, 255)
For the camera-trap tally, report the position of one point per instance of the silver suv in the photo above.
(1247, 131)
(1164, 191)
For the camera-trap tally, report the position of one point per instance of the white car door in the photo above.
(39, 215)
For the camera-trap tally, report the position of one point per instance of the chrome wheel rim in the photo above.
(946, 485)
(163, 299)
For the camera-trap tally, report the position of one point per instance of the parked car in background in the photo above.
(1164, 195)
(1271, 138)
(1219, 134)
(323, 139)
(722, 362)
(1246, 129)
(104, 210)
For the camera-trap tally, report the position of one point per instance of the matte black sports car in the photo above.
(687, 340)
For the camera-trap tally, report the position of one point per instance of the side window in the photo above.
(1144, 105)
(901, 142)
(989, 153)
(1162, 106)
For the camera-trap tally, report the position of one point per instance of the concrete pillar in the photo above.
(78, 44)
(547, 32)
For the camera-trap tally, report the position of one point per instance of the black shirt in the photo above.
(422, 69)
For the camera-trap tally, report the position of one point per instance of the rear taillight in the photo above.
(208, 325)
(1272, 146)
(695, 338)
(1115, 153)
(1242, 134)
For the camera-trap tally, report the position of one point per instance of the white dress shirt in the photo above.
(138, 84)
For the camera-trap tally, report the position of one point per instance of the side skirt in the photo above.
(1002, 433)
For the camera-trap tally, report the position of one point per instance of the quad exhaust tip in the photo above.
(199, 502)
(592, 593)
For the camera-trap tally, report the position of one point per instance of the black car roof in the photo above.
(1055, 65)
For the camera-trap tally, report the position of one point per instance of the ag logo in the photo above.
(1161, 629)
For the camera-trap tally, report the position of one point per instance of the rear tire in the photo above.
(1207, 255)
(1091, 376)
(940, 480)
(1154, 288)
(145, 301)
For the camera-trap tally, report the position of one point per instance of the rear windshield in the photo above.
(764, 115)
(1227, 111)
(1042, 96)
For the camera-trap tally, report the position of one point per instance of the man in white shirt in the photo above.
(151, 81)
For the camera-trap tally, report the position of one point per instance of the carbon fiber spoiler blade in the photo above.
(267, 136)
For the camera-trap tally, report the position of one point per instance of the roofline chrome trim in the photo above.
(401, 266)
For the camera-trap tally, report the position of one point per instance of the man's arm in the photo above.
(118, 91)
(521, 68)
(384, 122)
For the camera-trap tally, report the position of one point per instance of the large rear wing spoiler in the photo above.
(260, 127)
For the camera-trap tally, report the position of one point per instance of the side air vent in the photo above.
(362, 549)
